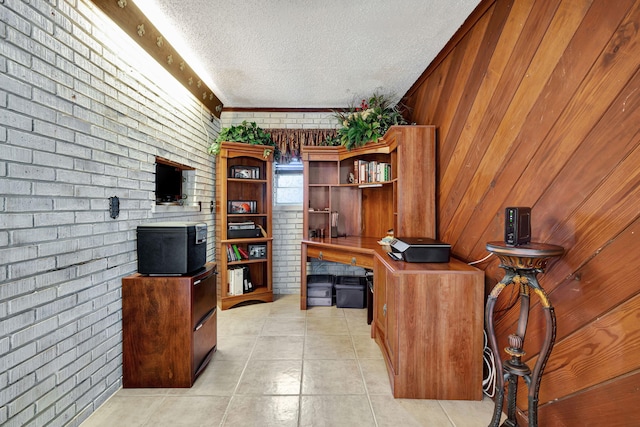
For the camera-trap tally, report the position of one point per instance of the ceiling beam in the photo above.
(133, 22)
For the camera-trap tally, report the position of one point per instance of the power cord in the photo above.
(489, 365)
(481, 260)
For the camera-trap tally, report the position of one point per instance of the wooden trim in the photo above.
(128, 17)
(168, 162)
(279, 110)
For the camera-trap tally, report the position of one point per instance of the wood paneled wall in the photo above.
(537, 103)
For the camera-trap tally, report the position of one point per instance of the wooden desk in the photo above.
(427, 318)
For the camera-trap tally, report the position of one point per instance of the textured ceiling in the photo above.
(307, 53)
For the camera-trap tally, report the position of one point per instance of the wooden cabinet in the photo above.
(244, 186)
(168, 328)
(428, 322)
(403, 199)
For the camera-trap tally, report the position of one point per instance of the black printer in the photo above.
(419, 249)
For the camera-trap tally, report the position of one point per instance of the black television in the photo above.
(168, 183)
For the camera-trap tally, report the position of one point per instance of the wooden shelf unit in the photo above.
(169, 328)
(228, 188)
(373, 208)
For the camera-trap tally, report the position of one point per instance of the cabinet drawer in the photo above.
(342, 256)
(204, 341)
(204, 297)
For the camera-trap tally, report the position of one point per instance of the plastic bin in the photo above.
(350, 291)
(320, 289)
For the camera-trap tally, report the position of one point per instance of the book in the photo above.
(246, 280)
(245, 254)
(238, 281)
(237, 253)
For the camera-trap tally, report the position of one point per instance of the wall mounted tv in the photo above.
(168, 183)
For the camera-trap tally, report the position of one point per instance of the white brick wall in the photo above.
(79, 123)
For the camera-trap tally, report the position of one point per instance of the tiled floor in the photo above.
(279, 366)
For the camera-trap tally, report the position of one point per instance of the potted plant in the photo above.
(248, 133)
(368, 121)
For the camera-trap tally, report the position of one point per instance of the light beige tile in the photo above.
(366, 347)
(336, 411)
(284, 326)
(327, 326)
(235, 326)
(390, 412)
(356, 313)
(375, 376)
(125, 410)
(189, 411)
(332, 377)
(329, 347)
(271, 377)
(134, 392)
(234, 348)
(263, 411)
(358, 325)
(278, 347)
(466, 413)
(288, 306)
(321, 311)
(220, 378)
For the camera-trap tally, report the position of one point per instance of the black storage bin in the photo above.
(320, 289)
(350, 291)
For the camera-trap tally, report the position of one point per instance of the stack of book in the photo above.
(236, 253)
(239, 280)
(364, 171)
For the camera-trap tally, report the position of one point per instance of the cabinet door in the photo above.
(391, 342)
(384, 302)
(380, 299)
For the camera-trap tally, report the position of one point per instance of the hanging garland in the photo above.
(289, 141)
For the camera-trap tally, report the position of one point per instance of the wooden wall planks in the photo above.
(537, 103)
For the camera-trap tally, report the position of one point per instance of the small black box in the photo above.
(244, 233)
(350, 292)
(320, 289)
(517, 226)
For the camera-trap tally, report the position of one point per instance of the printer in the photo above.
(419, 249)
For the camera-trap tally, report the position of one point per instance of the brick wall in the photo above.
(79, 123)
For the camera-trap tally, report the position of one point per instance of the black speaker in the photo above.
(517, 226)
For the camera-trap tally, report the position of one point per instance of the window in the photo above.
(287, 183)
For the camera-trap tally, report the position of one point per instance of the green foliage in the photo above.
(368, 121)
(248, 133)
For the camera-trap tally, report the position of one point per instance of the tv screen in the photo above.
(168, 183)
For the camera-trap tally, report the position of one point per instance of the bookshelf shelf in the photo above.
(404, 200)
(243, 204)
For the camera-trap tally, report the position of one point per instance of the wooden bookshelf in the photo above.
(244, 195)
(404, 200)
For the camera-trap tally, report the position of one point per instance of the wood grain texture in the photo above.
(429, 326)
(537, 104)
(163, 342)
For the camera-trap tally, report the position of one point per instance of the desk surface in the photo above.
(369, 246)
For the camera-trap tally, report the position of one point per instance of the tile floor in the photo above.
(279, 366)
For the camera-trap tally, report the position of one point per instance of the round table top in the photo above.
(530, 250)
